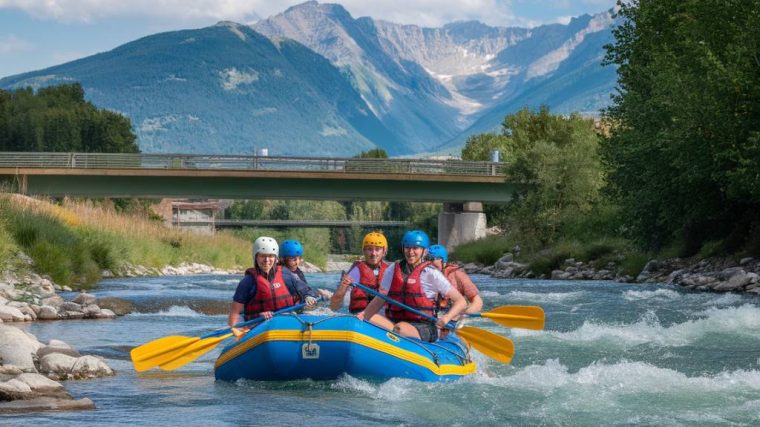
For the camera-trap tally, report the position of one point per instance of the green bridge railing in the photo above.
(207, 162)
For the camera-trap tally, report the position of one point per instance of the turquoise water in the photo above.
(611, 354)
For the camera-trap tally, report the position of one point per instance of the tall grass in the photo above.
(74, 241)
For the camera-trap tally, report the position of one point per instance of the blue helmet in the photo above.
(291, 248)
(438, 251)
(415, 238)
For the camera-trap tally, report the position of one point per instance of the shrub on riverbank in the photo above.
(74, 241)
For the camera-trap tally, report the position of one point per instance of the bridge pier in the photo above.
(460, 223)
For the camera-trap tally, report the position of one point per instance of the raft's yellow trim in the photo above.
(349, 336)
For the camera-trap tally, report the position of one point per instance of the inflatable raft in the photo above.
(293, 346)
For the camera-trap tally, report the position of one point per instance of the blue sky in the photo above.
(36, 34)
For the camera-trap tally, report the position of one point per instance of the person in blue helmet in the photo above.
(291, 257)
(439, 257)
(416, 283)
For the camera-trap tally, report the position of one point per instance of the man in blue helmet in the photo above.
(416, 283)
(291, 257)
(439, 257)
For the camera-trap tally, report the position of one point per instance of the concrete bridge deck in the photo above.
(253, 177)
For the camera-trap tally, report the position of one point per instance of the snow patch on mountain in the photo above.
(231, 78)
(551, 61)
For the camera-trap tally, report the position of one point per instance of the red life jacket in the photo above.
(359, 299)
(408, 291)
(443, 302)
(269, 296)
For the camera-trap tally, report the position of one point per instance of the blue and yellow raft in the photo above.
(291, 347)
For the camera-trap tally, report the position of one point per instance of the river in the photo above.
(611, 353)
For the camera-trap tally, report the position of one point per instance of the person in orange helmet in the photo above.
(369, 272)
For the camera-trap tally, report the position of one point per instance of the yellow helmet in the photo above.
(375, 239)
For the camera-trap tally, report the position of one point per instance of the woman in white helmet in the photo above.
(267, 287)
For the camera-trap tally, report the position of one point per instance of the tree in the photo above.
(58, 118)
(683, 156)
(479, 147)
(557, 157)
(375, 153)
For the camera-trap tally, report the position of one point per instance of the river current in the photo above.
(611, 354)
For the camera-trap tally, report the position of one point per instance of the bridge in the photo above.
(252, 177)
(456, 183)
(284, 223)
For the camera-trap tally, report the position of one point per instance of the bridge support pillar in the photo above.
(460, 223)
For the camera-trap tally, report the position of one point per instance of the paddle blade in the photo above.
(152, 354)
(517, 316)
(494, 346)
(192, 352)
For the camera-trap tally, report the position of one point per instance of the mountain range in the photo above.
(314, 81)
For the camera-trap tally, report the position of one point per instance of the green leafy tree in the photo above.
(58, 118)
(557, 157)
(479, 147)
(683, 155)
(375, 153)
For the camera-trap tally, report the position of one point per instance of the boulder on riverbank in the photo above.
(29, 370)
(711, 274)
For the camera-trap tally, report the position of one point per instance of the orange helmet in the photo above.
(375, 239)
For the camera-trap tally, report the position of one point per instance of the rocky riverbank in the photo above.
(712, 274)
(30, 372)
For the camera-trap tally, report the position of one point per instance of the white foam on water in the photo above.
(743, 321)
(544, 297)
(622, 378)
(489, 294)
(393, 390)
(234, 281)
(725, 299)
(185, 285)
(666, 294)
(173, 311)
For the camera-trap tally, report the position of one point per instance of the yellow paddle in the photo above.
(516, 316)
(494, 346)
(155, 352)
(177, 350)
(193, 352)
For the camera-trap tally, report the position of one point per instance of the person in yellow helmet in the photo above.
(369, 272)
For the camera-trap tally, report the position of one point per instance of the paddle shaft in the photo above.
(508, 316)
(252, 321)
(450, 325)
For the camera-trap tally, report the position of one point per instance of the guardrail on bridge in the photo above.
(207, 162)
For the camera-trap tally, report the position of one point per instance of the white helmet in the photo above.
(265, 245)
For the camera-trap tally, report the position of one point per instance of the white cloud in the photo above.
(13, 44)
(93, 10)
(420, 12)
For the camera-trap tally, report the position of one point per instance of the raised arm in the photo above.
(336, 301)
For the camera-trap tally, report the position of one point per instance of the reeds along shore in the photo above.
(74, 241)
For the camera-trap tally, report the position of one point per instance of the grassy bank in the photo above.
(75, 240)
